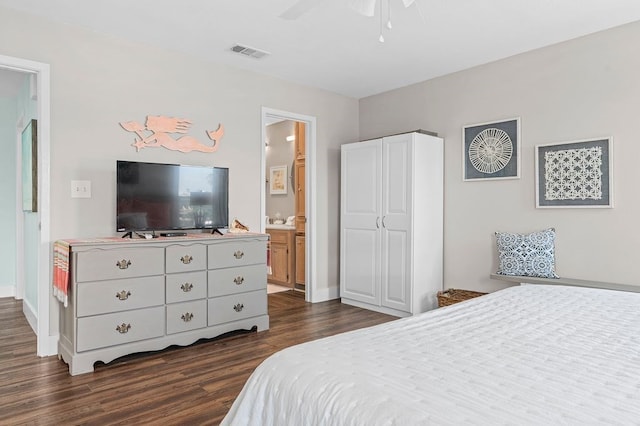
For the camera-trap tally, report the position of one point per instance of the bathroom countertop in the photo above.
(283, 227)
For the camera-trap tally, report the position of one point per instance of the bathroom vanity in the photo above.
(283, 255)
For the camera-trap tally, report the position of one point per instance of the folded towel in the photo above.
(61, 251)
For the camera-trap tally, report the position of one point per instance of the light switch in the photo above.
(80, 189)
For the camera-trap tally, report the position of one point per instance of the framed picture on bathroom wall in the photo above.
(278, 180)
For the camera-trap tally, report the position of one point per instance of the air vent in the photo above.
(249, 51)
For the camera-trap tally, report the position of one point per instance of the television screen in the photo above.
(154, 197)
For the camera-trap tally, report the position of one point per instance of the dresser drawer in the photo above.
(186, 257)
(237, 253)
(118, 328)
(236, 280)
(237, 306)
(100, 264)
(101, 297)
(186, 316)
(187, 286)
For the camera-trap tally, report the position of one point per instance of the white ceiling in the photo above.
(332, 47)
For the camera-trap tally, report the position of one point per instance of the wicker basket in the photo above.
(452, 295)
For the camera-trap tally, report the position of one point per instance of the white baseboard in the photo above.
(324, 294)
(7, 290)
(47, 345)
(31, 314)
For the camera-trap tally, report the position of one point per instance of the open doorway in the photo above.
(13, 97)
(289, 185)
(32, 227)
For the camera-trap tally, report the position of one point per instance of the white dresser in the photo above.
(130, 296)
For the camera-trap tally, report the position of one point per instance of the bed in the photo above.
(531, 354)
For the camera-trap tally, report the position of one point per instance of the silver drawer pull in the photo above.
(123, 328)
(186, 287)
(186, 259)
(123, 295)
(238, 307)
(186, 317)
(238, 254)
(238, 280)
(123, 264)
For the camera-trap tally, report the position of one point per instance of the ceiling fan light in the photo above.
(389, 26)
(381, 38)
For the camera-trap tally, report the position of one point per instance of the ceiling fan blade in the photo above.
(419, 9)
(363, 7)
(299, 8)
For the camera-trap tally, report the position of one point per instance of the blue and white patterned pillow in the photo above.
(528, 255)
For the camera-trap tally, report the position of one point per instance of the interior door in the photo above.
(361, 171)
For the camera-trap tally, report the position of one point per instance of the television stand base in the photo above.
(128, 235)
(216, 231)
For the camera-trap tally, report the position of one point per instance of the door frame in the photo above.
(269, 114)
(46, 344)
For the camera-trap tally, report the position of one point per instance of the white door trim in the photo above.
(310, 185)
(46, 344)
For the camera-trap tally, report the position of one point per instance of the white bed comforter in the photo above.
(540, 355)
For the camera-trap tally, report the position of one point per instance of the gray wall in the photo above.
(98, 81)
(20, 107)
(580, 89)
(28, 109)
(8, 120)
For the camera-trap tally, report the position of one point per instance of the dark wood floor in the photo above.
(192, 385)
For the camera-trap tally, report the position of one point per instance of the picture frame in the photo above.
(491, 151)
(278, 180)
(576, 174)
(29, 140)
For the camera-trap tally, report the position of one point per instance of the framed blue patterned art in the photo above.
(575, 174)
(491, 150)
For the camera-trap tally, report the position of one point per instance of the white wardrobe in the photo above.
(391, 223)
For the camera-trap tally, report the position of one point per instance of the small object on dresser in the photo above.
(452, 295)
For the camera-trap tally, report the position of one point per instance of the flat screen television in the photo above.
(168, 197)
